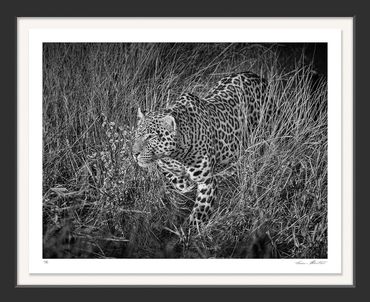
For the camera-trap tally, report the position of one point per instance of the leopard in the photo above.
(193, 138)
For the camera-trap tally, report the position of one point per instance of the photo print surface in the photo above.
(185, 150)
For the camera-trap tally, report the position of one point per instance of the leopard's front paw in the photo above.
(197, 218)
(194, 222)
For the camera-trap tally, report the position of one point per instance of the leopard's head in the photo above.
(155, 137)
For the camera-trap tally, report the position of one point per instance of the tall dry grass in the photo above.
(98, 203)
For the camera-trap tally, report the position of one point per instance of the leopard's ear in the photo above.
(140, 115)
(170, 123)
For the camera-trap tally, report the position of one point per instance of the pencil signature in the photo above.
(311, 262)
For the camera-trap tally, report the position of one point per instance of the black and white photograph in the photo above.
(185, 150)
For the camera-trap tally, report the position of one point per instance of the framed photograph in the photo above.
(185, 151)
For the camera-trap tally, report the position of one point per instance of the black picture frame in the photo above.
(166, 9)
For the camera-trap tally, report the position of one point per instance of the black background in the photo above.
(184, 8)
